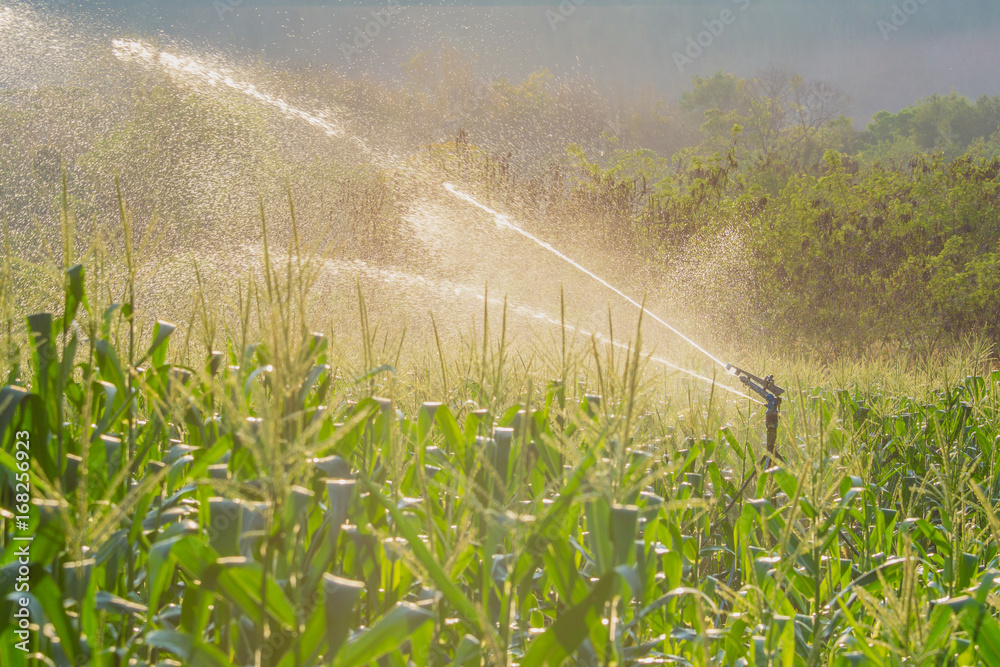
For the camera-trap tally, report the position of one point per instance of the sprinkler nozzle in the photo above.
(761, 386)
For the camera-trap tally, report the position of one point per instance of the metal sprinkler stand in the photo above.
(771, 393)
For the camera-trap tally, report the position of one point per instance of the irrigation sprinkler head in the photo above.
(761, 386)
(771, 393)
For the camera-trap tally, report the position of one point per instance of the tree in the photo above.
(782, 115)
(948, 124)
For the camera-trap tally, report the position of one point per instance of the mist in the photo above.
(885, 55)
(575, 332)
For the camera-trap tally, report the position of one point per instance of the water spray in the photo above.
(503, 221)
(196, 70)
(448, 288)
(769, 392)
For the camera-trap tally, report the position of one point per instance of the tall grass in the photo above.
(263, 499)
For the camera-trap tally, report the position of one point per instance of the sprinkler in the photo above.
(771, 393)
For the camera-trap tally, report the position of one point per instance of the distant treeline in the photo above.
(846, 237)
(855, 238)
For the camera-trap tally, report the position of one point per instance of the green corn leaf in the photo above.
(425, 418)
(315, 373)
(110, 367)
(386, 635)
(193, 652)
(10, 654)
(441, 579)
(158, 349)
(311, 641)
(623, 531)
(339, 596)
(160, 570)
(23, 412)
(468, 653)
(730, 439)
(50, 598)
(599, 537)
(237, 579)
(69, 358)
(44, 354)
(985, 633)
(105, 601)
(111, 410)
(559, 642)
(75, 293)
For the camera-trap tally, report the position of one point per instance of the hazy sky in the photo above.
(885, 54)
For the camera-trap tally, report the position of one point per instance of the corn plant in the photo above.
(263, 500)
